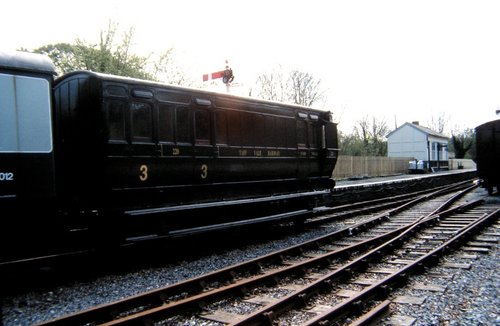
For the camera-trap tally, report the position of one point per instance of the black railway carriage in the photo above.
(488, 154)
(150, 143)
(100, 150)
(26, 128)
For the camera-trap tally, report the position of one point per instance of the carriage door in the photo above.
(203, 146)
(26, 148)
(303, 152)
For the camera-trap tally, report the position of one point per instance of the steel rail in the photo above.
(157, 300)
(299, 298)
(402, 275)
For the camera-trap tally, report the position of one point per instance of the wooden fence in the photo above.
(376, 166)
(369, 166)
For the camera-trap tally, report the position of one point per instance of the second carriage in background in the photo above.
(488, 154)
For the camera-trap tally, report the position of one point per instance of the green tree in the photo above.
(106, 57)
(463, 144)
(113, 55)
(66, 57)
(351, 144)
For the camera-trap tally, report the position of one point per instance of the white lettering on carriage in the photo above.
(6, 176)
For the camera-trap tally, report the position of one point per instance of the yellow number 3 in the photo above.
(204, 171)
(144, 172)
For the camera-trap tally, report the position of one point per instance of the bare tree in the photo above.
(372, 131)
(438, 123)
(168, 70)
(272, 86)
(294, 87)
(305, 88)
(362, 130)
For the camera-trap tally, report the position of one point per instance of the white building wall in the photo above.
(407, 142)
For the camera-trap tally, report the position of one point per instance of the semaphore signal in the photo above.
(214, 75)
(226, 75)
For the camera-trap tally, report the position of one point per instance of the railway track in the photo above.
(311, 218)
(267, 288)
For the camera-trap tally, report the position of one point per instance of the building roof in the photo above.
(425, 130)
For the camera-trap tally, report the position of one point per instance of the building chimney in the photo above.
(415, 123)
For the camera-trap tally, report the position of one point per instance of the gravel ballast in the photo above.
(471, 296)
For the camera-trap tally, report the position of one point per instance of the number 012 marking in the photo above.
(144, 172)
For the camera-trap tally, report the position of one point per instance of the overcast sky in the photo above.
(399, 61)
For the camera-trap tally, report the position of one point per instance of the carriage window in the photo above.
(290, 128)
(25, 115)
(166, 96)
(313, 135)
(248, 129)
(221, 127)
(234, 130)
(142, 93)
(259, 130)
(281, 132)
(270, 131)
(182, 124)
(165, 123)
(301, 133)
(202, 127)
(116, 120)
(142, 122)
(114, 90)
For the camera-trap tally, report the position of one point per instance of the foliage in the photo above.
(105, 57)
(367, 139)
(351, 144)
(372, 133)
(463, 144)
(114, 57)
(66, 57)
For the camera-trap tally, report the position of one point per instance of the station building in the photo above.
(426, 146)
